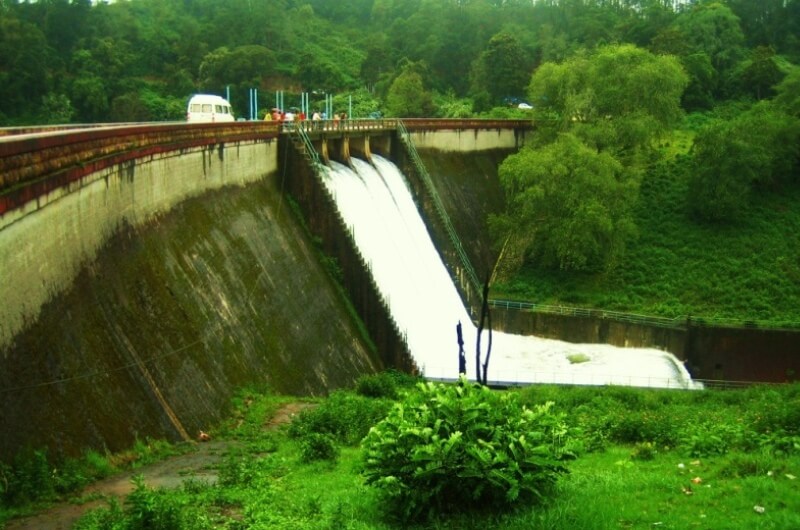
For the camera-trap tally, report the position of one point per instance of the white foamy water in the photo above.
(378, 207)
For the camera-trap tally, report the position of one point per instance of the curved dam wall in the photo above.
(144, 294)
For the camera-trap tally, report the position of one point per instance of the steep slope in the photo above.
(156, 334)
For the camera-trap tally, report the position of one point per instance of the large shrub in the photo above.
(449, 448)
(345, 416)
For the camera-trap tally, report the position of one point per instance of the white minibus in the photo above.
(205, 108)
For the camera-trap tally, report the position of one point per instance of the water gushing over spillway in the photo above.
(378, 207)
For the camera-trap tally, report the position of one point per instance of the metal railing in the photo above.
(593, 313)
(308, 148)
(437, 202)
(682, 321)
(521, 379)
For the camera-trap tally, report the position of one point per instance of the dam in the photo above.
(150, 271)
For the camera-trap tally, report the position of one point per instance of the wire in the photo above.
(104, 372)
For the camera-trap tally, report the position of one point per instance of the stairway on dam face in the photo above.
(156, 334)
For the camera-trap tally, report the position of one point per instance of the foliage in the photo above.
(28, 479)
(380, 385)
(619, 97)
(450, 106)
(96, 53)
(573, 201)
(631, 484)
(407, 96)
(344, 416)
(732, 159)
(502, 69)
(317, 446)
(713, 29)
(149, 511)
(450, 448)
(788, 93)
(760, 73)
(644, 451)
(680, 267)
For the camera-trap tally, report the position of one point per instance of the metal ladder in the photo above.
(437, 202)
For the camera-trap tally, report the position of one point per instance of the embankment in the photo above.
(169, 315)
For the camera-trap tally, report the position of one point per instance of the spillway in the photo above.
(376, 203)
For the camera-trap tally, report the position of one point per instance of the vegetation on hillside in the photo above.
(126, 60)
(598, 458)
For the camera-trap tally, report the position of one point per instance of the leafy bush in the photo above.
(377, 386)
(111, 518)
(642, 426)
(317, 446)
(150, 509)
(644, 451)
(449, 448)
(345, 416)
(28, 479)
(754, 464)
(249, 471)
(711, 439)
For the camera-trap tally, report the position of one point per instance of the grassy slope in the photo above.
(267, 486)
(746, 271)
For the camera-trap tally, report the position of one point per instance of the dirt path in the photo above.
(200, 464)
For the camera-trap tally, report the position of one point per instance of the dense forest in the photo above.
(663, 177)
(131, 60)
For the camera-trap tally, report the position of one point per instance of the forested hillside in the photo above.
(662, 173)
(79, 61)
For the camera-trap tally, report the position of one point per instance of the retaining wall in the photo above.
(148, 292)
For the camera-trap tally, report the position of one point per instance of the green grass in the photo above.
(749, 270)
(610, 486)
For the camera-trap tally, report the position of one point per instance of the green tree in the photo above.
(318, 72)
(760, 73)
(731, 160)
(712, 28)
(571, 202)
(242, 68)
(788, 93)
(699, 93)
(407, 97)
(23, 66)
(56, 109)
(503, 69)
(620, 97)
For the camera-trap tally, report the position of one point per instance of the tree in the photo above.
(23, 67)
(407, 97)
(712, 28)
(620, 97)
(243, 67)
(788, 93)
(503, 68)
(573, 202)
(731, 160)
(760, 73)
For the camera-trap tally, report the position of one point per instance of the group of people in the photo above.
(282, 116)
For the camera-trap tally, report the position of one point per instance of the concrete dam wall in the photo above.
(146, 294)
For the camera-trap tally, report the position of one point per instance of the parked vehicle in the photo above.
(206, 108)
